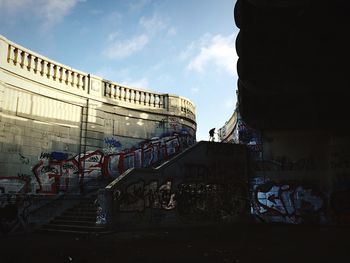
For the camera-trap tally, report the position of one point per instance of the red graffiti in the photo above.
(61, 175)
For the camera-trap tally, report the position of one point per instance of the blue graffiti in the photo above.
(111, 142)
(58, 156)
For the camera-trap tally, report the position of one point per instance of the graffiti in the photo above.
(44, 155)
(211, 201)
(23, 159)
(174, 123)
(100, 216)
(54, 172)
(138, 197)
(250, 137)
(14, 184)
(58, 156)
(112, 143)
(287, 202)
(162, 123)
(14, 203)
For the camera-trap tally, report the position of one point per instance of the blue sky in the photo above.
(182, 47)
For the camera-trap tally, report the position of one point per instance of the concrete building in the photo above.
(294, 88)
(58, 123)
(227, 132)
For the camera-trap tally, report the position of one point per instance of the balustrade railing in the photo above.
(45, 68)
(49, 70)
(187, 107)
(135, 96)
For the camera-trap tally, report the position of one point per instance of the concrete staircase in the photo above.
(80, 219)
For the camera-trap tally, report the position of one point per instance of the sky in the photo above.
(181, 47)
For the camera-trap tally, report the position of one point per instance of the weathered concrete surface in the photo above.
(239, 243)
(205, 184)
(50, 112)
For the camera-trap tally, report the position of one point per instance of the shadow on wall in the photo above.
(206, 184)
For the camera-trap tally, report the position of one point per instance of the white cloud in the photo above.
(51, 12)
(113, 36)
(96, 12)
(172, 31)
(113, 18)
(152, 24)
(125, 48)
(12, 7)
(188, 52)
(137, 5)
(215, 50)
(150, 28)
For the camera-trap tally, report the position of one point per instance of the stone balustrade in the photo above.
(29, 64)
(136, 96)
(187, 107)
(46, 68)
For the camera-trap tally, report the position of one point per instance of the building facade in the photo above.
(59, 125)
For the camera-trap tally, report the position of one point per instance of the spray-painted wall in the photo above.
(206, 184)
(60, 127)
(300, 176)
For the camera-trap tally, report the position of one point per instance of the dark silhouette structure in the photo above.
(293, 63)
(211, 134)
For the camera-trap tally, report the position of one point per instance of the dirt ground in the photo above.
(237, 243)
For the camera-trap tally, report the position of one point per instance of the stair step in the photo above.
(80, 219)
(73, 222)
(61, 231)
(85, 205)
(75, 218)
(78, 213)
(88, 201)
(73, 227)
(83, 210)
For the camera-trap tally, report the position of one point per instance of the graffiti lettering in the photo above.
(58, 156)
(211, 202)
(44, 155)
(138, 196)
(287, 202)
(111, 142)
(56, 173)
(23, 159)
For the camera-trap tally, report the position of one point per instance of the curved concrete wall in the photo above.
(52, 117)
(226, 132)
